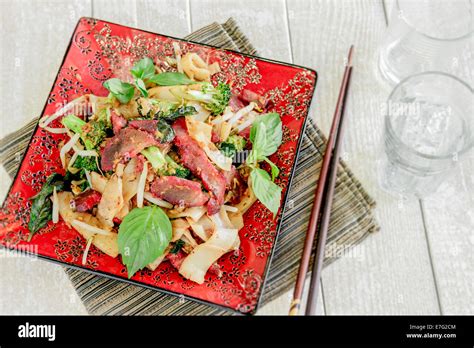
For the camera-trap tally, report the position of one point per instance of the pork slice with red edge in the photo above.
(118, 122)
(249, 96)
(177, 259)
(235, 103)
(125, 145)
(179, 191)
(149, 126)
(85, 201)
(195, 159)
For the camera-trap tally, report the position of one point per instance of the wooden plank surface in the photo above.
(387, 274)
(33, 41)
(263, 21)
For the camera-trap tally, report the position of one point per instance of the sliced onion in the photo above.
(141, 185)
(245, 124)
(55, 130)
(87, 153)
(242, 112)
(45, 120)
(86, 250)
(71, 163)
(230, 208)
(90, 228)
(159, 202)
(227, 115)
(68, 146)
(55, 206)
(177, 52)
(88, 177)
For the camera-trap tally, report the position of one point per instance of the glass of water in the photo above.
(428, 129)
(434, 35)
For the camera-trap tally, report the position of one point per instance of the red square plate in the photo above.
(100, 50)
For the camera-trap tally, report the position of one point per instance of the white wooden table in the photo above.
(420, 263)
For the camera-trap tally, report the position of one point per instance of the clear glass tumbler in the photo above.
(428, 35)
(428, 129)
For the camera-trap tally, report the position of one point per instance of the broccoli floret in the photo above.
(215, 99)
(92, 133)
(164, 164)
(238, 141)
(234, 143)
(155, 157)
(176, 169)
(89, 163)
(228, 149)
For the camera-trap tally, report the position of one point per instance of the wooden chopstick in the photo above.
(325, 217)
(318, 196)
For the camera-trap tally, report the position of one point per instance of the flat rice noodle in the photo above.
(194, 213)
(196, 264)
(130, 180)
(203, 228)
(179, 227)
(107, 244)
(98, 182)
(163, 93)
(112, 201)
(154, 265)
(195, 67)
(247, 201)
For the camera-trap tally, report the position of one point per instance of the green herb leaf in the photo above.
(171, 79)
(266, 133)
(41, 207)
(275, 170)
(144, 234)
(165, 130)
(141, 87)
(143, 69)
(265, 189)
(172, 115)
(123, 91)
(177, 247)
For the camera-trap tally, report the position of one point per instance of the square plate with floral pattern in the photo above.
(100, 50)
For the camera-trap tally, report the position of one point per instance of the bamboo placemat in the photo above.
(352, 218)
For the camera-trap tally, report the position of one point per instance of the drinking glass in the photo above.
(428, 129)
(434, 35)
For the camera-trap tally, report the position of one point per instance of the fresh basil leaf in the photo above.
(269, 139)
(253, 157)
(123, 91)
(40, 215)
(41, 207)
(143, 69)
(265, 189)
(275, 170)
(141, 87)
(171, 79)
(166, 131)
(144, 234)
